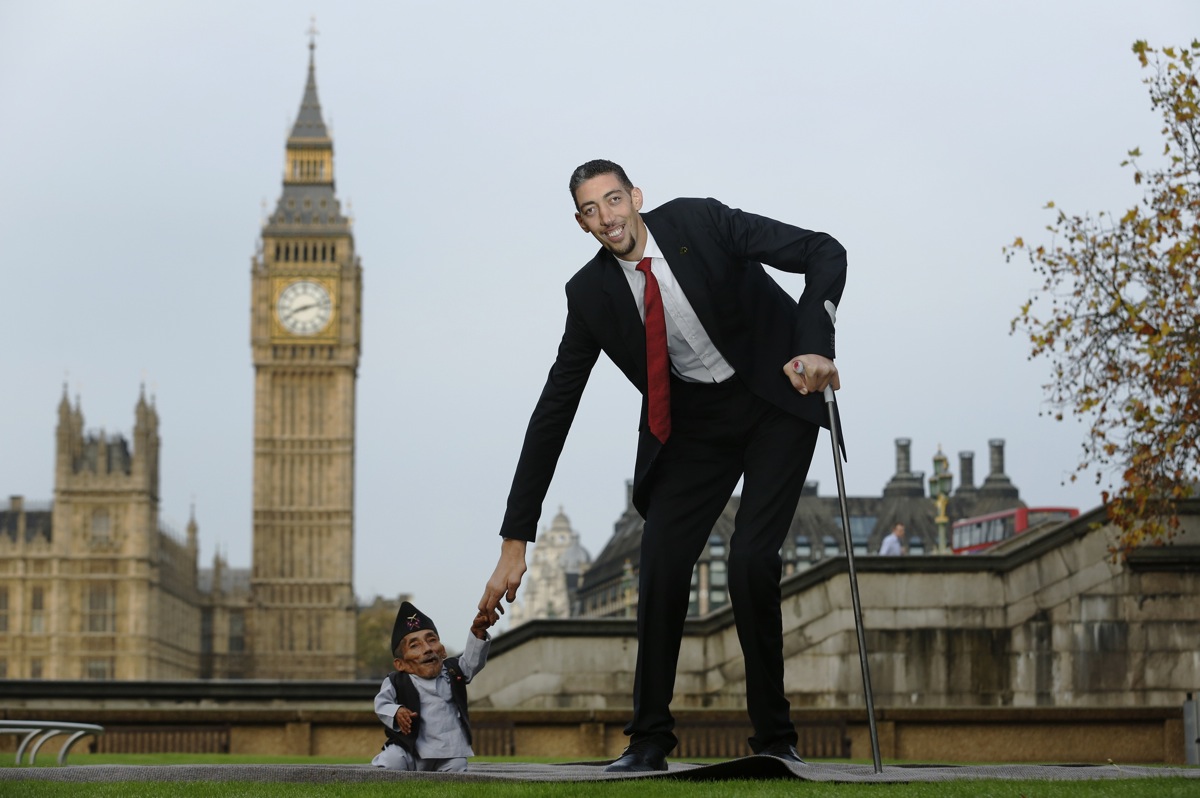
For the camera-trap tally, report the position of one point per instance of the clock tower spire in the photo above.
(306, 324)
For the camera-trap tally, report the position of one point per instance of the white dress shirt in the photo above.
(694, 357)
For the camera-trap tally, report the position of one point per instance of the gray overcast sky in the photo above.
(139, 140)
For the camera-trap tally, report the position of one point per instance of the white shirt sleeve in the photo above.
(386, 706)
(474, 656)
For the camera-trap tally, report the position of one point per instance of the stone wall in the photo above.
(180, 720)
(1050, 620)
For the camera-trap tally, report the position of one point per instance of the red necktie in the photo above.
(658, 363)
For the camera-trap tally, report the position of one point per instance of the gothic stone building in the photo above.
(95, 587)
(306, 332)
(609, 588)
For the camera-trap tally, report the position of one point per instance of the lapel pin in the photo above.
(683, 250)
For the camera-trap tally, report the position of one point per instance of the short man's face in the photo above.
(609, 211)
(421, 654)
(899, 530)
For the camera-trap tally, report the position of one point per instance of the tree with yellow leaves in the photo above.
(1117, 317)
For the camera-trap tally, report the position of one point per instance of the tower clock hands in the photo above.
(299, 308)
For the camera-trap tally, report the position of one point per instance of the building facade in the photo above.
(609, 589)
(95, 585)
(556, 569)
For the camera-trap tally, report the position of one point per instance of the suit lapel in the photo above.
(688, 268)
(629, 325)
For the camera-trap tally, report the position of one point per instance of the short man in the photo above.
(893, 544)
(738, 400)
(423, 704)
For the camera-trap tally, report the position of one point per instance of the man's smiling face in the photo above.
(421, 654)
(609, 211)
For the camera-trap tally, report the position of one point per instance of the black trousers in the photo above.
(720, 433)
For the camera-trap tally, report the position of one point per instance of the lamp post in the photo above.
(939, 490)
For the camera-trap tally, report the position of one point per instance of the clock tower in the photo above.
(306, 333)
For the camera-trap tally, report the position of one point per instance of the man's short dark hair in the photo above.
(595, 168)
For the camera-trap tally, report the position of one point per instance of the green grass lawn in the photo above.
(1157, 788)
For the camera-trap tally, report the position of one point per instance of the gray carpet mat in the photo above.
(753, 767)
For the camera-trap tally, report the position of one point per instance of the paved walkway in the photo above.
(756, 767)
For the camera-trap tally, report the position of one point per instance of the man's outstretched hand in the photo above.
(505, 579)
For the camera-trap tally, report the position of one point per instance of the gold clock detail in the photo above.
(304, 307)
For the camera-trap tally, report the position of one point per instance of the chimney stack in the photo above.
(904, 482)
(966, 473)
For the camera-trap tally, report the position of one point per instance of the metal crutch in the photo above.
(830, 404)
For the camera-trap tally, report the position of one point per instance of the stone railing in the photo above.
(179, 717)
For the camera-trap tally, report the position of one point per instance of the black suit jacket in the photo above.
(715, 253)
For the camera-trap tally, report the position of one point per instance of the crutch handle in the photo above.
(798, 367)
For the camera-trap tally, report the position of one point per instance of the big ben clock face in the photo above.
(304, 308)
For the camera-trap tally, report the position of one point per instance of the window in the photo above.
(101, 525)
(35, 668)
(99, 615)
(97, 670)
(37, 613)
(861, 527)
(717, 576)
(237, 632)
(206, 631)
(3, 610)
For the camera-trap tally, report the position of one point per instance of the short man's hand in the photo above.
(404, 719)
(505, 579)
(479, 626)
(811, 373)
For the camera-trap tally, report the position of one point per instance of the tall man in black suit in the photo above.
(741, 403)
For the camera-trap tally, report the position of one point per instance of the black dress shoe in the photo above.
(783, 751)
(639, 758)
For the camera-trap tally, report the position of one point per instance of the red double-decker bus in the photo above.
(973, 535)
